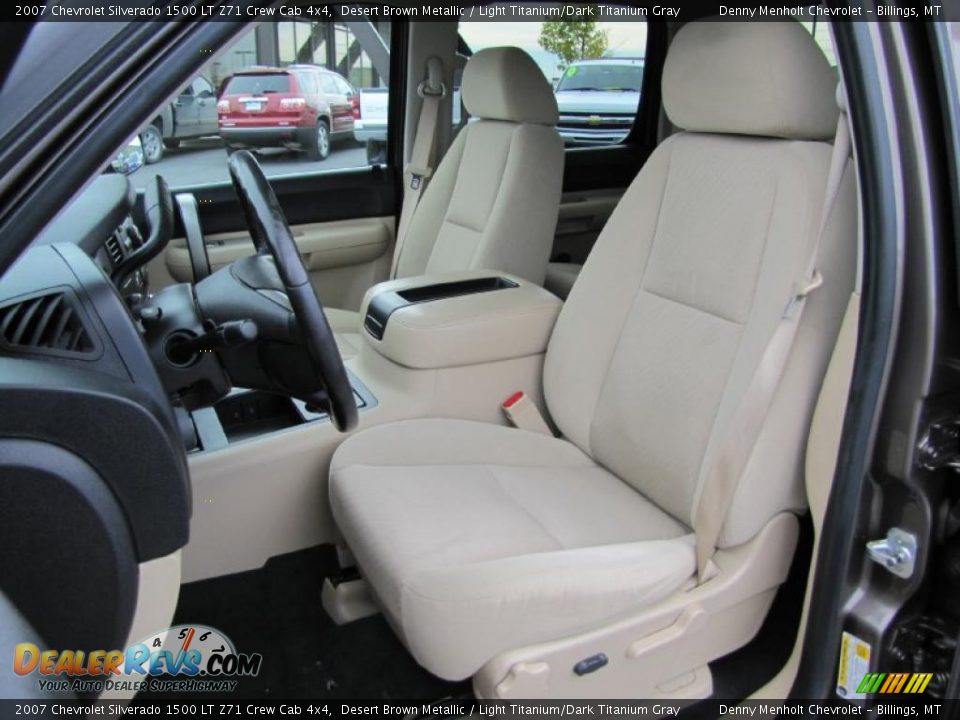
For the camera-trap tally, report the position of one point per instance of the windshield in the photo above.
(623, 78)
(261, 83)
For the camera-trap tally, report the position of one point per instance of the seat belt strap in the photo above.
(726, 468)
(417, 174)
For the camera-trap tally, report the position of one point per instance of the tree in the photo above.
(573, 40)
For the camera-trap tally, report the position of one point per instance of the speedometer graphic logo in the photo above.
(190, 650)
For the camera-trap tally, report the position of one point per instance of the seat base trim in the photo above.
(661, 652)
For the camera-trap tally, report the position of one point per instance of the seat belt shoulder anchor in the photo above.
(424, 89)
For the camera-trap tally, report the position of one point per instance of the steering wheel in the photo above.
(272, 237)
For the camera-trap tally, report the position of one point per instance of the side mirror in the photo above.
(130, 157)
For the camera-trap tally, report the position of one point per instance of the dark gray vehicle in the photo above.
(192, 114)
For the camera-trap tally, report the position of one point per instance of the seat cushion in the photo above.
(560, 278)
(479, 538)
(345, 325)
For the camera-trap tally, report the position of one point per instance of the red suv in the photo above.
(300, 107)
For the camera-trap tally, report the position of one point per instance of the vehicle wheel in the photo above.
(152, 142)
(172, 143)
(319, 148)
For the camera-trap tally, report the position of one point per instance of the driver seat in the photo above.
(484, 544)
(493, 201)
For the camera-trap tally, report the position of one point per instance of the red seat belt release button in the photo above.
(524, 414)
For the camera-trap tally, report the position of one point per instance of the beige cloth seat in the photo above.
(478, 539)
(479, 526)
(493, 201)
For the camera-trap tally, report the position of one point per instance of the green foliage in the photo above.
(573, 40)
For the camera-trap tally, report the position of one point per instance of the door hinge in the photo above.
(897, 552)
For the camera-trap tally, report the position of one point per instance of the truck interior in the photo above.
(340, 418)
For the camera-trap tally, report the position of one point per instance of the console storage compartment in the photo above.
(246, 414)
(454, 319)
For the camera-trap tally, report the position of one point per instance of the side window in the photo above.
(328, 85)
(201, 88)
(307, 81)
(258, 88)
(595, 67)
(343, 87)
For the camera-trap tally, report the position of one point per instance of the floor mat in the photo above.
(276, 611)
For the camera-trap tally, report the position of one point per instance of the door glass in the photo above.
(328, 85)
(266, 106)
(595, 67)
(308, 83)
(201, 88)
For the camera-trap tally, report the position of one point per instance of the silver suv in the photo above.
(598, 100)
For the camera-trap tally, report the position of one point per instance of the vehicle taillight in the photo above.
(223, 106)
(294, 103)
(355, 107)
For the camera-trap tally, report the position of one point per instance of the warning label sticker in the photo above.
(854, 664)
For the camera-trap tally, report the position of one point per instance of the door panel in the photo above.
(206, 115)
(185, 118)
(582, 216)
(344, 257)
(340, 109)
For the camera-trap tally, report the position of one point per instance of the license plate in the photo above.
(253, 106)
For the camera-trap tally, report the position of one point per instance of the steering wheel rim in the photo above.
(186, 204)
(272, 236)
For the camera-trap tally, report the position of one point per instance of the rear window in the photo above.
(624, 78)
(261, 83)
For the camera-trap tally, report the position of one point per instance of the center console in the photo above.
(458, 319)
(452, 345)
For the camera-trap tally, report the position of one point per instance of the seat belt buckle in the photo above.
(523, 414)
(801, 292)
(417, 175)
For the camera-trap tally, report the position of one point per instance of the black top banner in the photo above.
(205, 707)
(293, 10)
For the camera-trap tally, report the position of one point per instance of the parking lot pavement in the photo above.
(197, 162)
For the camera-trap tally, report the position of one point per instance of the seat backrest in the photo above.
(663, 330)
(494, 199)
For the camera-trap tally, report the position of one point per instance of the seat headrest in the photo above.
(765, 78)
(504, 83)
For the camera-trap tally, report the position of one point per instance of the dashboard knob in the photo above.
(150, 314)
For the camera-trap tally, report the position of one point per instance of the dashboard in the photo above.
(101, 223)
(98, 378)
(89, 438)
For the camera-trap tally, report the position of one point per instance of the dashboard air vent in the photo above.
(114, 249)
(49, 322)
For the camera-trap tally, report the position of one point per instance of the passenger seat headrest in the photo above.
(765, 78)
(504, 83)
